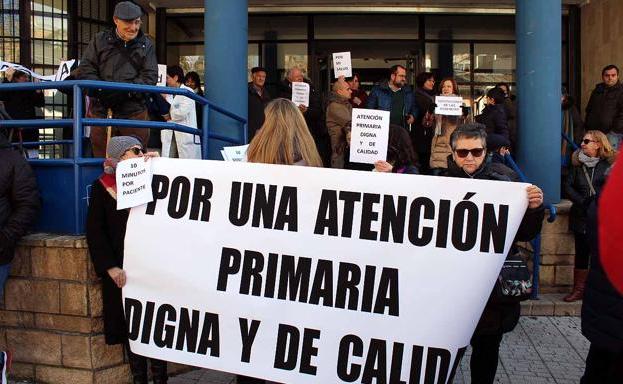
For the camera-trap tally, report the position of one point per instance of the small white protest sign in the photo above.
(300, 93)
(449, 105)
(162, 75)
(342, 65)
(133, 183)
(369, 135)
(64, 69)
(238, 153)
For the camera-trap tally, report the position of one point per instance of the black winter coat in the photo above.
(109, 58)
(20, 105)
(19, 199)
(495, 119)
(257, 103)
(602, 306)
(604, 111)
(421, 136)
(105, 236)
(500, 317)
(577, 189)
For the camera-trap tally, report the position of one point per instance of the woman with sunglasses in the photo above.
(588, 168)
(501, 313)
(105, 235)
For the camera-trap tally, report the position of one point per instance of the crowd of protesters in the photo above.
(318, 135)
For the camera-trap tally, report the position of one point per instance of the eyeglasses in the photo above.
(476, 152)
(586, 141)
(136, 150)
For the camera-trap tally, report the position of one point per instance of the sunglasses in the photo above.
(586, 141)
(137, 151)
(476, 152)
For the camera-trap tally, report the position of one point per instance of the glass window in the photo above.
(448, 58)
(184, 29)
(284, 27)
(292, 55)
(481, 27)
(366, 27)
(253, 58)
(494, 63)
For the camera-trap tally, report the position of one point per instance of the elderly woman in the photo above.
(105, 234)
(589, 165)
(501, 313)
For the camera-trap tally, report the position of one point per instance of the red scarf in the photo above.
(109, 182)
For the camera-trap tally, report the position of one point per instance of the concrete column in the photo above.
(538, 30)
(226, 39)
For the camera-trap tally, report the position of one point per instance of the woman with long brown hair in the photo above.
(444, 126)
(283, 138)
(589, 166)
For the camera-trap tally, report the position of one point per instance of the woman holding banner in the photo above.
(282, 139)
(501, 313)
(105, 235)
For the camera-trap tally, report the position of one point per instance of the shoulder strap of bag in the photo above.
(126, 55)
(589, 181)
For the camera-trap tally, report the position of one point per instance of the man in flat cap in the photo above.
(122, 54)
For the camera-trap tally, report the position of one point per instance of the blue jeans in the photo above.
(4, 275)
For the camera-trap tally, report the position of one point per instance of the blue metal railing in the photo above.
(53, 174)
(536, 243)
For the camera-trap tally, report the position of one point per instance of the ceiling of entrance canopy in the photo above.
(429, 6)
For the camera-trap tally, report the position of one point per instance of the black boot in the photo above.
(159, 371)
(138, 366)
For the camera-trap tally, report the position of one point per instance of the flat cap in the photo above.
(127, 10)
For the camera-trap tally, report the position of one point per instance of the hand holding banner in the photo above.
(311, 275)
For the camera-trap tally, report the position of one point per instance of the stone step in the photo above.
(550, 304)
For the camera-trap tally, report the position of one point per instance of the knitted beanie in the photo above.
(118, 145)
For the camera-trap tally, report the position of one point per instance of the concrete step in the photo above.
(550, 304)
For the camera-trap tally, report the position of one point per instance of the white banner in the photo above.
(311, 275)
(62, 71)
(342, 64)
(369, 135)
(300, 93)
(449, 105)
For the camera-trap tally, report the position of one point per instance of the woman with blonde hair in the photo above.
(284, 137)
(589, 166)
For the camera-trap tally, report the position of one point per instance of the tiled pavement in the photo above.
(540, 350)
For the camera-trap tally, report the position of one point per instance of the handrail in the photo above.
(98, 84)
(570, 141)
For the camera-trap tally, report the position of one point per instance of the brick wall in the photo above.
(52, 315)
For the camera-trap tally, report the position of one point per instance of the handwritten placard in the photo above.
(133, 183)
(369, 135)
(342, 64)
(300, 93)
(449, 105)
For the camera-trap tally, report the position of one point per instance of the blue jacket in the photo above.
(381, 98)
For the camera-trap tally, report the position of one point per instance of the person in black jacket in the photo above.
(589, 165)
(500, 315)
(19, 203)
(22, 105)
(105, 232)
(125, 55)
(602, 313)
(494, 115)
(314, 113)
(422, 132)
(258, 98)
(604, 111)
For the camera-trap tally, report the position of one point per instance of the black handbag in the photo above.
(514, 282)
